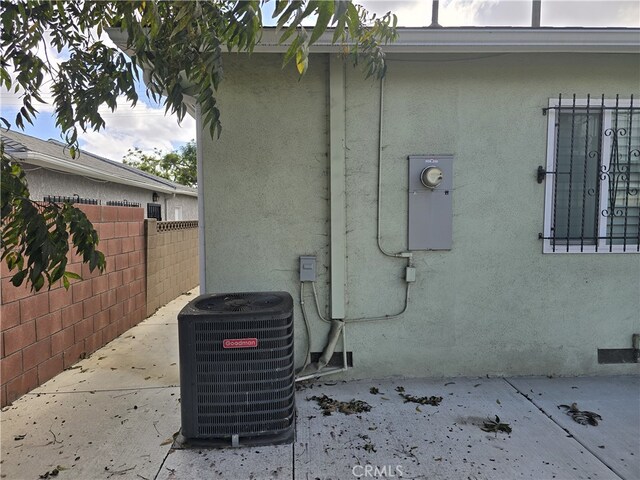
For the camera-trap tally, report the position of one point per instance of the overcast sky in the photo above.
(557, 13)
(147, 128)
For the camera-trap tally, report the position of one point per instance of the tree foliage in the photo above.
(180, 166)
(35, 235)
(178, 43)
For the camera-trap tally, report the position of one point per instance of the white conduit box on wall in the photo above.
(430, 206)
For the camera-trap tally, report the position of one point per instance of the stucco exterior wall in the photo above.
(44, 182)
(494, 304)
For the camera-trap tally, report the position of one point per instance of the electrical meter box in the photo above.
(430, 206)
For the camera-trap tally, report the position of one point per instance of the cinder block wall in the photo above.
(46, 332)
(172, 261)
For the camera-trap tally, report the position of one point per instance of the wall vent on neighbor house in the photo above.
(236, 369)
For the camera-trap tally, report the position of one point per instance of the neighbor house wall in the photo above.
(43, 182)
(45, 332)
(493, 304)
(172, 261)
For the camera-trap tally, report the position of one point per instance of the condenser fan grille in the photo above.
(240, 302)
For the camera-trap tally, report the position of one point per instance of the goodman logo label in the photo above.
(240, 343)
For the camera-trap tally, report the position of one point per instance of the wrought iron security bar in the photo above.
(74, 199)
(122, 203)
(593, 202)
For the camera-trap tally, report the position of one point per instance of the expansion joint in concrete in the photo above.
(569, 434)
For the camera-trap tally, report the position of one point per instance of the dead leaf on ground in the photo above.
(496, 426)
(330, 405)
(433, 400)
(583, 417)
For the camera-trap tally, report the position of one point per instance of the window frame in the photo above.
(601, 245)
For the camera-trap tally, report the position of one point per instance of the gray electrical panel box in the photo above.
(307, 268)
(430, 206)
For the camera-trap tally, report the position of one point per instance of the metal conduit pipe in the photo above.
(307, 357)
(379, 210)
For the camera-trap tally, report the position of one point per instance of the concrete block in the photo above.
(11, 366)
(62, 340)
(19, 337)
(83, 329)
(81, 291)
(50, 368)
(21, 385)
(71, 315)
(59, 298)
(10, 315)
(48, 325)
(35, 354)
(34, 306)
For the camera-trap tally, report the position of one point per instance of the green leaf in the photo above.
(302, 60)
(325, 12)
(18, 278)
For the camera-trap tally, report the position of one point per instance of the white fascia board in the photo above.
(487, 39)
(470, 40)
(53, 163)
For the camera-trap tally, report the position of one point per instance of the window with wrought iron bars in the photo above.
(592, 195)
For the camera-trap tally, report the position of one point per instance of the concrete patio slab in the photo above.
(616, 439)
(146, 356)
(436, 442)
(89, 436)
(107, 420)
(261, 463)
(112, 415)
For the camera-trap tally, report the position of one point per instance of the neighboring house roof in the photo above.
(54, 155)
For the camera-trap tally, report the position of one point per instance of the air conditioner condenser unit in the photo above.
(237, 369)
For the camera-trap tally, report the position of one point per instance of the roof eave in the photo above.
(470, 40)
(486, 39)
(53, 163)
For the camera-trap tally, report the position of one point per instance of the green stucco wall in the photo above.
(494, 304)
